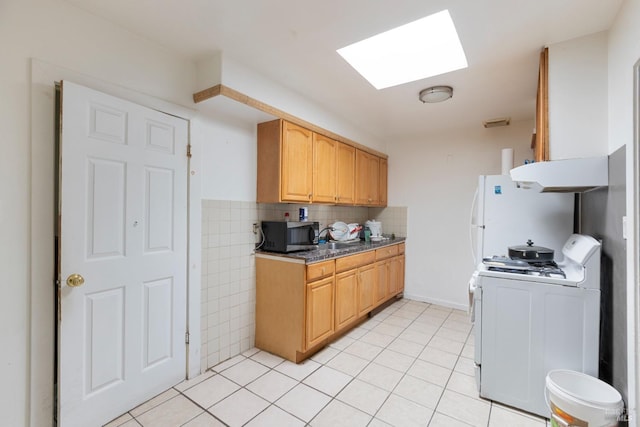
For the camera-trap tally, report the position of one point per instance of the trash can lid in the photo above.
(584, 388)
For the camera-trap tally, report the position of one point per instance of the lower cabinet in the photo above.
(394, 275)
(367, 281)
(400, 273)
(300, 308)
(319, 311)
(346, 298)
(382, 283)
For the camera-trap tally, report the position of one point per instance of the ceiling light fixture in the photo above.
(435, 94)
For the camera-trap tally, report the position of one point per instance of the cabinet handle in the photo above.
(310, 196)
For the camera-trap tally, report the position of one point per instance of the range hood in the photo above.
(563, 176)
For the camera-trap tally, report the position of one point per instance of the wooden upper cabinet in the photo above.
(345, 174)
(300, 166)
(324, 169)
(285, 163)
(540, 143)
(384, 168)
(297, 163)
(367, 178)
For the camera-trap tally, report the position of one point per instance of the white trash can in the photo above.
(580, 400)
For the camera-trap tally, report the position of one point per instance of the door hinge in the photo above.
(189, 151)
(186, 337)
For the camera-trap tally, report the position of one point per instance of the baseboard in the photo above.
(436, 301)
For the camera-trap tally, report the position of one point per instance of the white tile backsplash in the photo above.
(228, 279)
(394, 219)
(228, 265)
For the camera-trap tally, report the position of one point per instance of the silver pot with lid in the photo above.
(531, 253)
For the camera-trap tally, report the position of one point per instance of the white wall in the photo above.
(76, 43)
(224, 69)
(57, 33)
(578, 97)
(580, 60)
(229, 156)
(624, 52)
(436, 178)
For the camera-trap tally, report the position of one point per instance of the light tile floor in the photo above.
(409, 365)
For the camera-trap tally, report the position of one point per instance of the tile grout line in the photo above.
(395, 337)
(369, 362)
(449, 379)
(405, 373)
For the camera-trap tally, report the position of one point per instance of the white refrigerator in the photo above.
(504, 215)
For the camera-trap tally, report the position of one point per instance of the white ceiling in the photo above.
(294, 42)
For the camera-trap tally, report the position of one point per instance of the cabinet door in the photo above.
(324, 169)
(319, 311)
(401, 273)
(346, 298)
(396, 275)
(383, 182)
(367, 178)
(382, 285)
(346, 174)
(297, 163)
(366, 289)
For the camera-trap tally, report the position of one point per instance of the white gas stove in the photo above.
(580, 266)
(530, 319)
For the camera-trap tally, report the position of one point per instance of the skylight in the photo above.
(414, 51)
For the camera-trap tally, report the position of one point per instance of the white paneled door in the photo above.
(123, 255)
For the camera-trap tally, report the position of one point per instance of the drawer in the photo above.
(401, 248)
(320, 270)
(386, 252)
(353, 261)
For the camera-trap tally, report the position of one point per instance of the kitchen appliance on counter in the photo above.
(375, 227)
(504, 215)
(533, 316)
(289, 236)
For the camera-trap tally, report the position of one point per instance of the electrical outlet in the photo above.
(255, 228)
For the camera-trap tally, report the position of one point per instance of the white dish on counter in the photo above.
(339, 231)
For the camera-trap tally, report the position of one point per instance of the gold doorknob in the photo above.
(75, 280)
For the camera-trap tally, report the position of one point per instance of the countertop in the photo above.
(322, 253)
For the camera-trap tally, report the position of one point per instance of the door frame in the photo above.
(41, 318)
(633, 254)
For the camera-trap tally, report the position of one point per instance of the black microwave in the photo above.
(289, 236)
